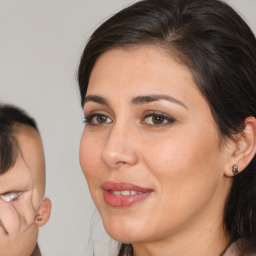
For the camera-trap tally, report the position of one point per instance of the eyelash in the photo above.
(88, 120)
(166, 118)
(13, 196)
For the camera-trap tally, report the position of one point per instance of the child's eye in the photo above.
(97, 119)
(157, 119)
(10, 196)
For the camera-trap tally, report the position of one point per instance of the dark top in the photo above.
(36, 252)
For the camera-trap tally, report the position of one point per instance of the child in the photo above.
(23, 207)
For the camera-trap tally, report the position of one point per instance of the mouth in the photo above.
(121, 195)
(125, 193)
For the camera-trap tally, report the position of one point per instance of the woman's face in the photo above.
(150, 150)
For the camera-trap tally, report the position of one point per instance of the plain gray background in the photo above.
(41, 44)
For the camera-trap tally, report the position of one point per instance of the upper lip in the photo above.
(122, 186)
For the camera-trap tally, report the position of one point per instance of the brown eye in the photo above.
(157, 119)
(100, 119)
(97, 119)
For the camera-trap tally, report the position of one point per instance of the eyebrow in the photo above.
(152, 98)
(97, 99)
(137, 100)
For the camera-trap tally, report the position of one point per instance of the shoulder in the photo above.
(36, 252)
(235, 250)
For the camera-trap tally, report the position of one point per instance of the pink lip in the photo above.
(119, 201)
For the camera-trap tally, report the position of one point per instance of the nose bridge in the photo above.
(119, 148)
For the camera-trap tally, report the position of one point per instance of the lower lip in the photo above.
(124, 201)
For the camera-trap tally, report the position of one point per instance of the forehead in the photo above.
(144, 68)
(29, 167)
(31, 149)
(30, 145)
(17, 178)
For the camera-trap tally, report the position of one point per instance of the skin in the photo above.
(183, 161)
(19, 230)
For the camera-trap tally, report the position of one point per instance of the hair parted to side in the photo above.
(9, 117)
(219, 48)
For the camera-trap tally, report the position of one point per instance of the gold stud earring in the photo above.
(38, 218)
(235, 169)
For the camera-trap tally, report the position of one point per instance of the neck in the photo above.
(199, 243)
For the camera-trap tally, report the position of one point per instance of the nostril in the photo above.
(122, 163)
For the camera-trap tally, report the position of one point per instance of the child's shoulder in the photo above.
(36, 252)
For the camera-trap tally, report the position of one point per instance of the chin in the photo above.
(125, 231)
(122, 237)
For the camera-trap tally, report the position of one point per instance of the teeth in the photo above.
(124, 193)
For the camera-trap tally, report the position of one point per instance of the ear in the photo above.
(44, 212)
(244, 147)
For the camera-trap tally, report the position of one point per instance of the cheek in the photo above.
(10, 218)
(91, 165)
(90, 156)
(19, 215)
(186, 174)
(183, 162)
(182, 149)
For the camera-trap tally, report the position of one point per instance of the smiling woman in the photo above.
(168, 90)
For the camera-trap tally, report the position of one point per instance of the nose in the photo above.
(119, 149)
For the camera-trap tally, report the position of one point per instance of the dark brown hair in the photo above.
(217, 45)
(10, 116)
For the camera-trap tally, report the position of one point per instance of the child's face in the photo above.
(22, 191)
